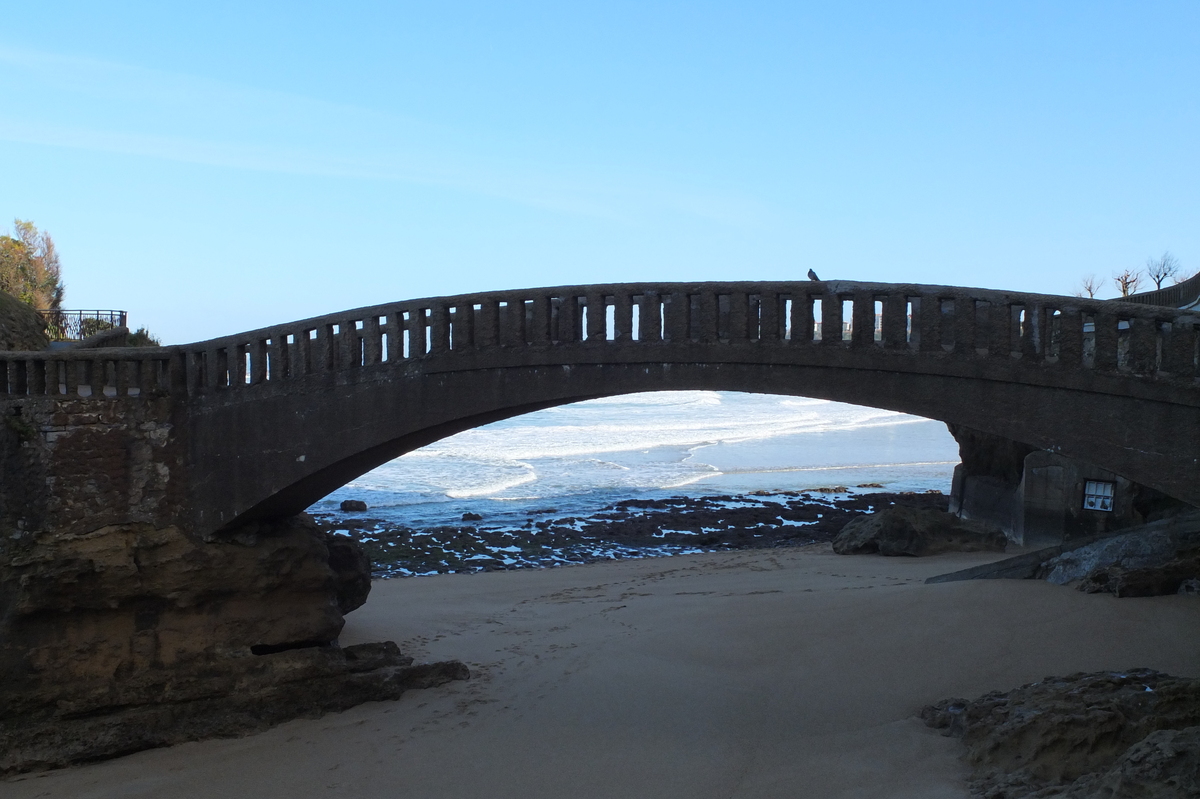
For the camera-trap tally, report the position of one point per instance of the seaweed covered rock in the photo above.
(1102, 734)
(916, 531)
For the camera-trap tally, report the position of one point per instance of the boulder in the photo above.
(1137, 550)
(21, 326)
(1077, 736)
(1167, 578)
(351, 569)
(1160, 558)
(916, 531)
(353, 506)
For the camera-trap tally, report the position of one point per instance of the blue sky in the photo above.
(231, 165)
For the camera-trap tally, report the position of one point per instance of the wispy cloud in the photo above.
(104, 107)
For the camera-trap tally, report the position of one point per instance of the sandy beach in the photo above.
(768, 673)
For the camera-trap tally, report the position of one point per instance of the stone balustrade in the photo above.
(1062, 333)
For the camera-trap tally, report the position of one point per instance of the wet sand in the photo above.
(788, 672)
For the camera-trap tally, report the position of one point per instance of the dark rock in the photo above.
(913, 531)
(353, 506)
(233, 697)
(352, 570)
(1163, 765)
(1072, 736)
(1135, 550)
(1161, 580)
(21, 326)
(472, 517)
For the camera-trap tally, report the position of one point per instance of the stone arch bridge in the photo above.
(261, 424)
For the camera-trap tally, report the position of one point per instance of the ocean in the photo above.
(577, 459)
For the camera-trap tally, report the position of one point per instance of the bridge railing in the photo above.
(123, 372)
(1145, 342)
(1181, 295)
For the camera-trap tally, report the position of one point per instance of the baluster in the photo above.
(964, 324)
(17, 377)
(895, 322)
(622, 317)
(121, 377)
(1070, 338)
(1179, 350)
(676, 311)
(802, 318)
(418, 321)
(1143, 346)
(739, 317)
(831, 319)
(210, 369)
(1107, 338)
(258, 360)
(147, 383)
(563, 319)
(930, 323)
(274, 364)
(439, 329)
(1034, 332)
(538, 320)
(597, 314)
(1000, 330)
(372, 336)
(487, 330)
(769, 304)
(709, 313)
(650, 320)
(464, 326)
(862, 320)
(35, 376)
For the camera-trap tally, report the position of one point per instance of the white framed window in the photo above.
(1098, 495)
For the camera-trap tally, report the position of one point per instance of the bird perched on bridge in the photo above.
(812, 275)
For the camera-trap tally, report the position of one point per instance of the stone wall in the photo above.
(109, 600)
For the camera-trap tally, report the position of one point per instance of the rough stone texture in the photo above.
(83, 614)
(353, 506)
(1167, 578)
(21, 326)
(1068, 736)
(352, 570)
(1132, 551)
(237, 696)
(1163, 765)
(913, 531)
(1149, 561)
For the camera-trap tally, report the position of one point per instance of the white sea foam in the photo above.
(588, 454)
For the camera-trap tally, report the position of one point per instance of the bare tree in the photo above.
(1088, 286)
(1127, 281)
(1160, 268)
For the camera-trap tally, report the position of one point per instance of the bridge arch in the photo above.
(282, 416)
(270, 420)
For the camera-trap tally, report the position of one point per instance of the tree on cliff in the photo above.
(29, 267)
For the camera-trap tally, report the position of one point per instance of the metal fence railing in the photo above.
(77, 325)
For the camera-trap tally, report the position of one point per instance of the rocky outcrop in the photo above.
(21, 326)
(351, 569)
(132, 636)
(1111, 734)
(912, 531)
(237, 696)
(1153, 561)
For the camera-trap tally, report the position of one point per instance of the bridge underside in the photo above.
(280, 453)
